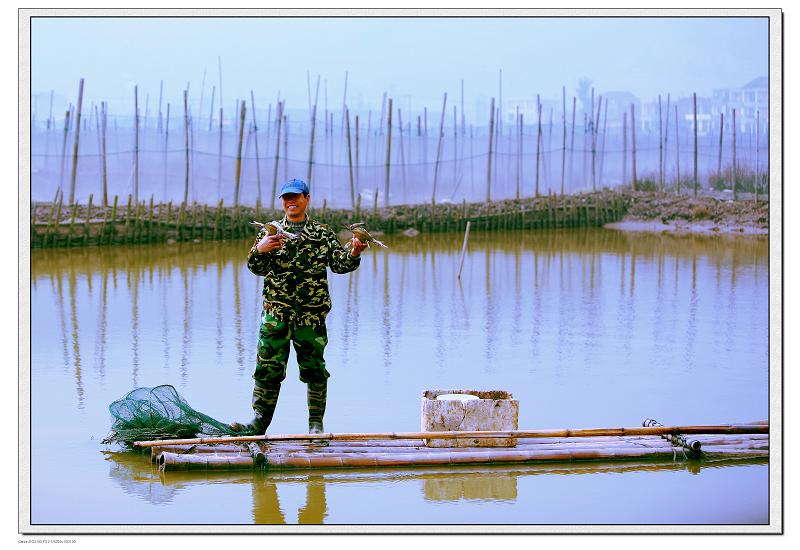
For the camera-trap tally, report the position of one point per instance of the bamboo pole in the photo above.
(489, 162)
(402, 152)
(311, 146)
(518, 132)
(136, 143)
(538, 141)
(633, 144)
(278, 116)
(350, 159)
(219, 153)
(160, 98)
(694, 108)
(75, 147)
(561, 432)
(666, 139)
(660, 146)
(438, 153)
(624, 148)
(563, 134)
(255, 136)
(463, 251)
(603, 144)
(103, 126)
(388, 153)
(735, 168)
(285, 145)
(239, 159)
(186, 135)
(572, 142)
(211, 112)
(758, 158)
(721, 133)
(677, 151)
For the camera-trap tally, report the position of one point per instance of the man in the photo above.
(296, 301)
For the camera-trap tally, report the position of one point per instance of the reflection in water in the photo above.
(480, 487)
(585, 327)
(493, 483)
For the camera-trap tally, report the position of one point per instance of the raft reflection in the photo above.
(496, 483)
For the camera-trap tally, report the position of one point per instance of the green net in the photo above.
(146, 414)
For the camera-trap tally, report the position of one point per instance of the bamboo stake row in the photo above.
(195, 221)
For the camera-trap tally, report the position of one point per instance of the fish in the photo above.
(360, 232)
(274, 228)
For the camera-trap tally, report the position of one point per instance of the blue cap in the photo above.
(294, 186)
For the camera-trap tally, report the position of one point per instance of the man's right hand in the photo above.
(270, 243)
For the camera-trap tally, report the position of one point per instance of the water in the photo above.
(587, 328)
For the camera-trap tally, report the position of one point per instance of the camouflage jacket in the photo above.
(296, 276)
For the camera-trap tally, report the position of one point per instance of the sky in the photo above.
(415, 60)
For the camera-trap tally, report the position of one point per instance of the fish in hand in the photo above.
(360, 232)
(274, 228)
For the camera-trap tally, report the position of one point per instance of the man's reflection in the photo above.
(267, 509)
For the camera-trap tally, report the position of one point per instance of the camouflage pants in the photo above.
(273, 351)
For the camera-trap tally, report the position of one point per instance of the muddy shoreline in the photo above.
(661, 213)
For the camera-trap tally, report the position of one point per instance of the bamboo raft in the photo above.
(397, 449)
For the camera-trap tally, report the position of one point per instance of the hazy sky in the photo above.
(423, 57)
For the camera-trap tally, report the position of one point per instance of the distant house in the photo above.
(751, 102)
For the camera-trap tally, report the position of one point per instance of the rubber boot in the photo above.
(317, 399)
(265, 399)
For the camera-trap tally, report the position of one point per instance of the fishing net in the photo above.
(146, 414)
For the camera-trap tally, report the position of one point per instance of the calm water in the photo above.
(587, 328)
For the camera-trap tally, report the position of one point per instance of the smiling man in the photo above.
(296, 301)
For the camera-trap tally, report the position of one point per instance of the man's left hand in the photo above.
(358, 247)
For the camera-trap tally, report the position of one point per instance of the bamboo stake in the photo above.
(75, 148)
(572, 142)
(136, 143)
(311, 146)
(350, 160)
(160, 96)
(758, 132)
(624, 148)
(388, 153)
(463, 251)
(633, 144)
(564, 134)
(211, 112)
(278, 116)
(402, 153)
(239, 159)
(721, 133)
(518, 132)
(103, 125)
(677, 151)
(694, 107)
(438, 153)
(186, 134)
(660, 146)
(603, 144)
(219, 153)
(666, 138)
(538, 141)
(563, 432)
(285, 145)
(166, 149)
(344, 101)
(735, 169)
(489, 163)
(255, 132)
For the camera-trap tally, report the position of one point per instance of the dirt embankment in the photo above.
(705, 214)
